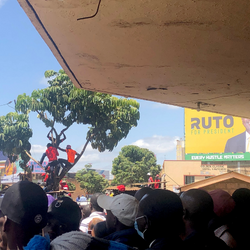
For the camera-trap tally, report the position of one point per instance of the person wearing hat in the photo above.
(157, 179)
(81, 241)
(150, 179)
(64, 216)
(241, 218)
(70, 158)
(121, 213)
(223, 209)
(70, 154)
(198, 209)
(141, 192)
(159, 220)
(24, 207)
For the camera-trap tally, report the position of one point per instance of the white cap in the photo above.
(148, 174)
(123, 206)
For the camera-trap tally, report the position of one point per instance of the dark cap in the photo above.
(26, 204)
(65, 210)
(93, 201)
(163, 207)
(223, 202)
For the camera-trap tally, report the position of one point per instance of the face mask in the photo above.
(138, 231)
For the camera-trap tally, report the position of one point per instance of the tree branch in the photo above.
(43, 117)
(61, 149)
(34, 160)
(55, 131)
(66, 127)
(69, 166)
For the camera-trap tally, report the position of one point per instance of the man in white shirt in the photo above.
(96, 212)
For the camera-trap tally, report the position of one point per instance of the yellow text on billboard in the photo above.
(207, 132)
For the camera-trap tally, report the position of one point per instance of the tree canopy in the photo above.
(72, 186)
(132, 165)
(91, 180)
(109, 118)
(14, 137)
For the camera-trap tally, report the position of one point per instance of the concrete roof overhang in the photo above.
(170, 51)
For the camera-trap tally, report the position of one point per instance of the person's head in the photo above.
(24, 207)
(94, 204)
(160, 214)
(49, 145)
(86, 211)
(92, 223)
(223, 204)
(68, 147)
(100, 229)
(3, 239)
(198, 209)
(79, 241)
(241, 197)
(141, 192)
(246, 123)
(64, 215)
(148, 174)
(121, 211)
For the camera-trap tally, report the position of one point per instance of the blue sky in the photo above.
(24, 57)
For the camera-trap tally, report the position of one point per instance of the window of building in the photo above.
(207, 176)
(189, 179)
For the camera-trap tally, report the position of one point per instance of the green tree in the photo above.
(14, 137)
(132, 165)
(109, 118)
(91, 180)
(72, 186)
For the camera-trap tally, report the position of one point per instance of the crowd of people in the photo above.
(151, 219)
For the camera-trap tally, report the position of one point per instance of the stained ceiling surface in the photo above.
(187, 53)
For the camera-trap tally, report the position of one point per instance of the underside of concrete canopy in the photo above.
(187, 53)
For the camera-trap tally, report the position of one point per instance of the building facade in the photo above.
(177, 173)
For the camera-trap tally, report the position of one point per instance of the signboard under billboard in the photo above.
(216, 137)
(36, 168)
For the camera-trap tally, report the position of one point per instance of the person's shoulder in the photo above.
(84, 224)
(217, 243)
(237, 137)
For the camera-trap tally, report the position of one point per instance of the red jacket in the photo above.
(157, 185)
(52, 153)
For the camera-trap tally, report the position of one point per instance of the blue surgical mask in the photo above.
(138, 231)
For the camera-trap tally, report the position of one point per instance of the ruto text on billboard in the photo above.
(216, 137)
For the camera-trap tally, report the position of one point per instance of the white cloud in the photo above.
(158, 143)
(98, 160)
(2, 2)
(43, 80)
(38, 149)
(165, 106)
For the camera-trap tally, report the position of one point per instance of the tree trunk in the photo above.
(68, 166)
